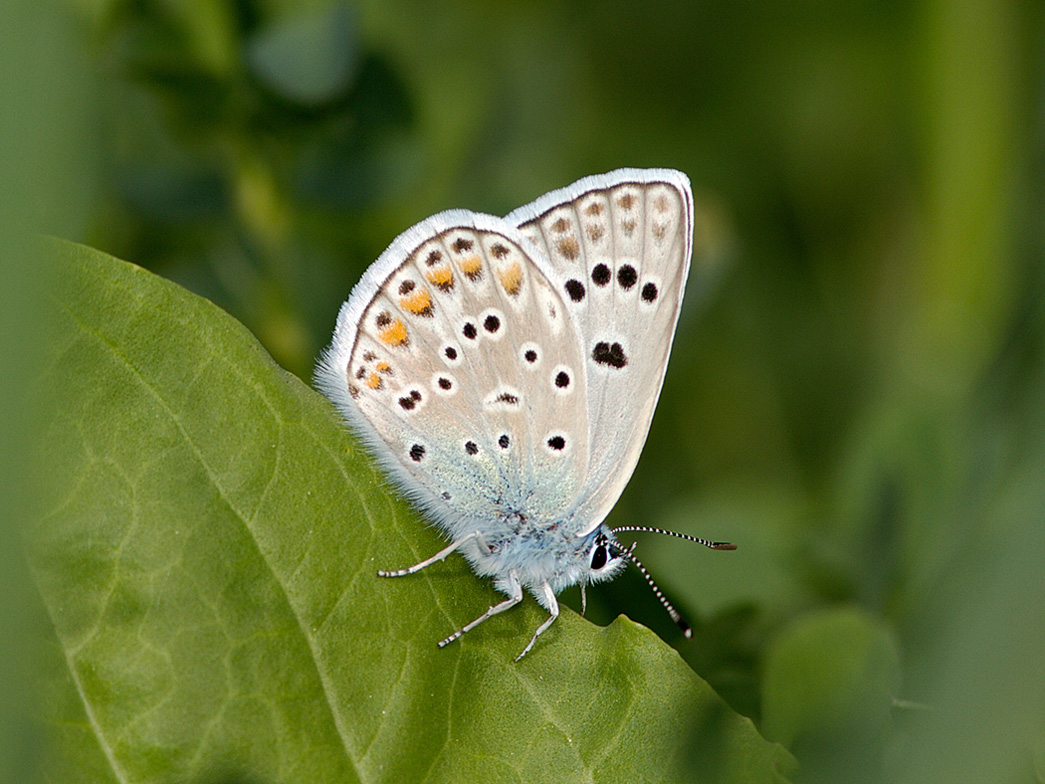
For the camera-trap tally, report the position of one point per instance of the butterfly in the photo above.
(504, 372)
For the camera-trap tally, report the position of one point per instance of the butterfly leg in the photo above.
(513, 599)
(552, 604)
(584, 598)
(437, 557)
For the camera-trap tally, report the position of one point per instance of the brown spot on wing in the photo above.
(569, 248)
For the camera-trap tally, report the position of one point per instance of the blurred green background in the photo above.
(857, 389)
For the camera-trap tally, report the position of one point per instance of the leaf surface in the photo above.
(208, 557)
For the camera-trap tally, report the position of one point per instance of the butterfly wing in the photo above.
(456, 360)
(619, 246)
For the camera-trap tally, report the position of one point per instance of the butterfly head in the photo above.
(606, 557)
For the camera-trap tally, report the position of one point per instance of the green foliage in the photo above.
(856, 395)
(208, 555)
(829, 684)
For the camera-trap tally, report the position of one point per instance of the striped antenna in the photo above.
(697, 539)
(630, 555)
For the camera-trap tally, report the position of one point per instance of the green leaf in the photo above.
(208, 559)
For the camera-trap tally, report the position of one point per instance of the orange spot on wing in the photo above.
(441, 277)
(419, 303)
(373, 381)
(472, 267)
(394, 334)
(511, 278)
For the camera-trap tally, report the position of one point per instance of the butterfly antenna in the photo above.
(697, 539)
(630, 555)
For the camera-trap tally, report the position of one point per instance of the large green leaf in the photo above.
(208, 559)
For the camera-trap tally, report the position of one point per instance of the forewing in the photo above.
(448, 359)
(619, 246)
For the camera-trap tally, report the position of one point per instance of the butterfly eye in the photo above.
(599, 557)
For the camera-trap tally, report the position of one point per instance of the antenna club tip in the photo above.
(723, 546)
(686, 631)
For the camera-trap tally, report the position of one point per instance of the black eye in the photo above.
(598, 558)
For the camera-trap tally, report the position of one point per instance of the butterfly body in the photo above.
(541, 554)
(504, 371)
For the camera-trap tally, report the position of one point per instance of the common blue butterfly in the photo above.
(504, 371)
